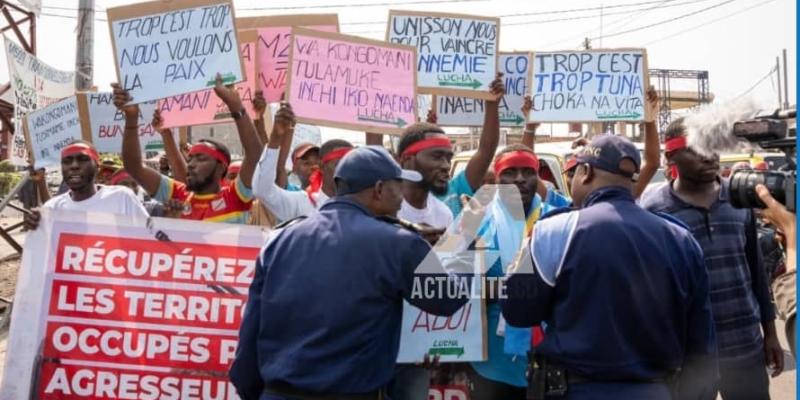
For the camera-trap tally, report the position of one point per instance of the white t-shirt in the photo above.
(108, 199)
(435, 213)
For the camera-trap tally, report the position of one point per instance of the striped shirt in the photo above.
(230, 205)
(740, 299)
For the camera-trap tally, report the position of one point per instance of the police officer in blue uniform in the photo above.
(623, 293)
(324, 312)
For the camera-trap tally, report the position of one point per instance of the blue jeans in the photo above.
(409, 383)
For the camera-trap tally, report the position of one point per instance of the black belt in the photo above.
(297, 394)
(574, 379)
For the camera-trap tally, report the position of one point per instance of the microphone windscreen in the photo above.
(710, 129)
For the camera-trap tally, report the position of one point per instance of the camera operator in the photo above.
(784, 287)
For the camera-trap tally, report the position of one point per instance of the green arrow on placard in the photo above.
(474, 84)
(226, 80)
(154, 146)
(399, 122)
(516, 119)
(632, 115)
(447, 351)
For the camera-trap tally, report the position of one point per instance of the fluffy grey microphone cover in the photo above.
(710, 129)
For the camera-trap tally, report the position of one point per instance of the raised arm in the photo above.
(174, 157)
(490, 137)
(529, 134)
(260, 107)
(652, 146)
(284, 204)
(282, 180)
(148, 178)
(244, 126)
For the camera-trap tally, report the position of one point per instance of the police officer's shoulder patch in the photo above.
(556, 211)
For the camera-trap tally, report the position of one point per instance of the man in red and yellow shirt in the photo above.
(202, 197)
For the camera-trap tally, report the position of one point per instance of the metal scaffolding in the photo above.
(15, 19)
(664, 79)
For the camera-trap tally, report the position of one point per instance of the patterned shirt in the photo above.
(231, 204)
(740, 298)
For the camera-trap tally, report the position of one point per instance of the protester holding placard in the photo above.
(436, 199)
(424, 147)
(287, 204)
(203, 196)
(652, 150)
(79, 167)
(510, 217)
(341, 340)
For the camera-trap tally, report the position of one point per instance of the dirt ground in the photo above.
(8, 277)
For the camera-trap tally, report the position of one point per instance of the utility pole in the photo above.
(785, 83)
(780, 90)
(84, 53)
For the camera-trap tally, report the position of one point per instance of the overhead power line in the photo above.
(693, 13)
(755, 85)
(550, 20)
(707, 23)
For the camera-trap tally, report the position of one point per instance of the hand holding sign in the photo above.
(527, 106)
(158, 121)
(284, 120)
(497, 88)
(228, 95)
(651, 107)
(259, 104)
(122, 100)
(432, 118)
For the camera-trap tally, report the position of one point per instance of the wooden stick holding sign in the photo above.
(598, 85)
(350, 82)
(166, 48)
(274, 35)
(457, 53)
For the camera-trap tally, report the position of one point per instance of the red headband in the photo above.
(235, 167)
(80, 148)
(118, 177)
(515, 159)
(435, 141)
(676, 143)
(207, 149)
(335, 154)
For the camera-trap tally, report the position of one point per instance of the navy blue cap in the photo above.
(365, 166)
(606, 152)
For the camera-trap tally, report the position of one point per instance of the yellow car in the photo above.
(773, 161)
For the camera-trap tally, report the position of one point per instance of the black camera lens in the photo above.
(743, 188)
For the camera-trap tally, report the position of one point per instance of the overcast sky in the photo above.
(735, 40)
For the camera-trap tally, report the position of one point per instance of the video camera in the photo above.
(773, 131)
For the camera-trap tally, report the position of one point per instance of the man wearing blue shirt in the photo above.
(323, 321)
(742, 305)
(623, 292)
(435, 201)
(509, 220)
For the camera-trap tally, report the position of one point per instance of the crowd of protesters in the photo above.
(609, 293)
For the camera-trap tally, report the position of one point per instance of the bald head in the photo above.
(588, 179)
